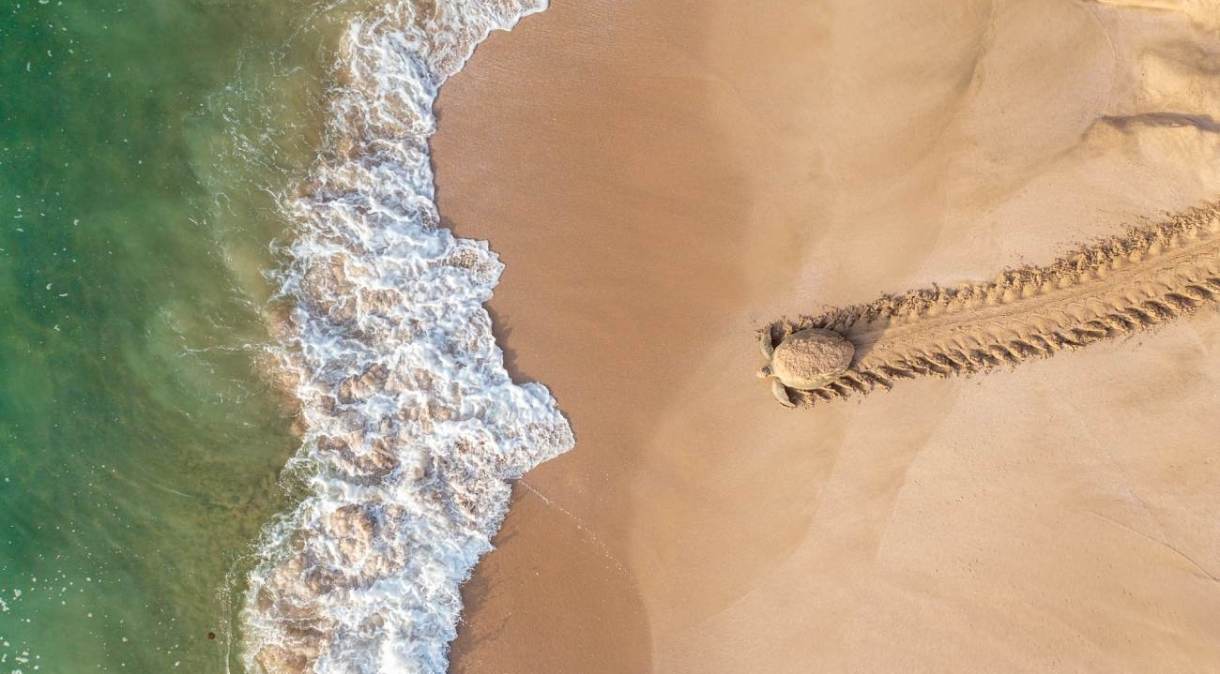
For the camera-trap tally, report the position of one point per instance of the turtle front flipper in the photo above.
(764, 342)
(781, 393)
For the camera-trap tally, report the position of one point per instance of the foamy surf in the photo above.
(412, 425)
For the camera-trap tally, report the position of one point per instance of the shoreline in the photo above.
(411, 428)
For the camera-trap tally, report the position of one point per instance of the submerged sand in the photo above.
(663, 178)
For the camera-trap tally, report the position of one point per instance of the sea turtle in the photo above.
(804, 360)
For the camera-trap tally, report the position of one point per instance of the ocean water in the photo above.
(219, 256)
(139, 451)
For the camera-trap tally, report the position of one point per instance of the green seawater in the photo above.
(140, 141)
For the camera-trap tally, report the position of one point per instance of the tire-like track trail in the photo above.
(1105, 290)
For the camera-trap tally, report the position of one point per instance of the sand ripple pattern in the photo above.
(412, 426)
(1110, 289)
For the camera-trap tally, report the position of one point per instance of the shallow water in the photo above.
(412, 426)
(139, 450)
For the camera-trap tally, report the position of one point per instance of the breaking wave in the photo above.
(412, 426)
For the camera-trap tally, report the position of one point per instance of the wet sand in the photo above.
(663, 178)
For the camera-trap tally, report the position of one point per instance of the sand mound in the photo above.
(1203, 13)
(1109, 289)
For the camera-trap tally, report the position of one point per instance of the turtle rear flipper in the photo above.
(781, 393)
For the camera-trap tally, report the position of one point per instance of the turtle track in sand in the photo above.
(1105, 290)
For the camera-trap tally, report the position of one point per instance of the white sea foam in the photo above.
(413, 426)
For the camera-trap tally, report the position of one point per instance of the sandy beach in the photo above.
(663, 178)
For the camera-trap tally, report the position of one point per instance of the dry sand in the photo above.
(664, 177)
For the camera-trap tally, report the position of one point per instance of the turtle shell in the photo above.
(811, 358)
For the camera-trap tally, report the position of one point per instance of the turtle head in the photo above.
(764, 372)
